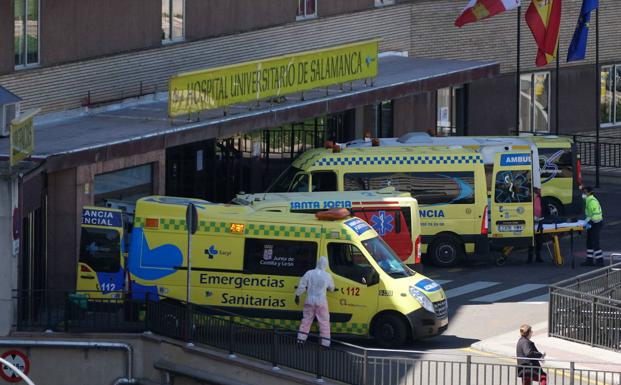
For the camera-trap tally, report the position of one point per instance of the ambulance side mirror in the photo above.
(370, 276)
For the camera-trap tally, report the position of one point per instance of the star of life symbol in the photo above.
(382, 222)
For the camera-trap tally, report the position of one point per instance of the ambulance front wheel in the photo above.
(390, 331)
(446, 250)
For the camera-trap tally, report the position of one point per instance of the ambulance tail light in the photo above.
(151, 223)
(417, 250)
(85, 269)
(579, 171)
(484, 225)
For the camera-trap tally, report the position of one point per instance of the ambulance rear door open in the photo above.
(511, 199)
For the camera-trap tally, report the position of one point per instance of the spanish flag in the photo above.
(482, 9)
(544, 20)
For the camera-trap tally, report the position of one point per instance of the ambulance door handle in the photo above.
(87, 277)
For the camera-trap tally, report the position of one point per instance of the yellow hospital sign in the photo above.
(22, 136)
(239, 83)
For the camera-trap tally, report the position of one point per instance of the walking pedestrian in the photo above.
(315, 282)
(529, 368)
(594, 221)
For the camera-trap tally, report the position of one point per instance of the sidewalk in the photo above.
(558, 352)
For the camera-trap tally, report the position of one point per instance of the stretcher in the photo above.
(552, 230)
(546, 231)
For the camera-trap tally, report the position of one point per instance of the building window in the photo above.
(446, 101)
(173, 20)
(26, 32)
(535, 102)
(384, 119)
(127, 185)
(307, 9)
(382, 3)
(610, 98)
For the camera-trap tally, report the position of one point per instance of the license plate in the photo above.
(510, 228)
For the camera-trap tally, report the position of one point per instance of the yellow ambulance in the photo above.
(101, 265)
(556, 163)
(449, 183)
(392, 214)
(250, 263)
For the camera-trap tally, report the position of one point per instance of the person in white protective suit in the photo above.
(315, 282)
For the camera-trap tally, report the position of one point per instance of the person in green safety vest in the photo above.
(594, 221)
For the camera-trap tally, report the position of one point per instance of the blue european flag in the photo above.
(577, 48)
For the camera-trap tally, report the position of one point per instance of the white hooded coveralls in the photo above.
(315, 282)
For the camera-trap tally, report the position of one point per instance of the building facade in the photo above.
(86, 63)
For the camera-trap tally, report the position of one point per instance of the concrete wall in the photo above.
(61, 366)
(7, 61)
(62, 233)
(577, 100)
(78, 29)
(8, 260)
(491, 109)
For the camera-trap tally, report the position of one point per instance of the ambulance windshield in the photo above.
(386, 258)
(292, 179)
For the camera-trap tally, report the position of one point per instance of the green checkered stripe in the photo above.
(172, 224)
(139, 222)
(335, 327)
(213, 227)
(399, 160)
(283, 231)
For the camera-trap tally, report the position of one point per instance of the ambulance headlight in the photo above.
(422, 299)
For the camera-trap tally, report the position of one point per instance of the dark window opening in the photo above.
(324, 181)
(427, 187)
(269, 256)
(348, 261)
(555, 163)
(100, 249)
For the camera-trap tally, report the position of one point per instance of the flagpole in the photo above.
(517, 73)
(558, 73)
(598, 86)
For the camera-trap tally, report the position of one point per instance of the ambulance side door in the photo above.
(356, 298)
(511, 212)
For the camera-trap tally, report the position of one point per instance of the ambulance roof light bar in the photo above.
(333, 214)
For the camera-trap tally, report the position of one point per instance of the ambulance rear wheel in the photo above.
(446, 250)
(552, 207)
(390, 331)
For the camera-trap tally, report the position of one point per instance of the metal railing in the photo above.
(587, 308)
(239, 335)
(609, 150)
(59, 310)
